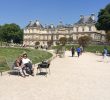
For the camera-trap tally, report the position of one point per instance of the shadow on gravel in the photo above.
(42, 73)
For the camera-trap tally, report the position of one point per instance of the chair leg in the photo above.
(37, 70)
(40, 69)
(46, 72)
(1, 73)
(49, 71)
(10, 72)
(18, 73)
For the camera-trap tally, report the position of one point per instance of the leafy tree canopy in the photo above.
(84, 41)
(103, 22)
(49, 43)
(10, 32)
(63, 40)
(37, 43)
(70, 39)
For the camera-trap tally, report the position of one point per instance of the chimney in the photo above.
(30, 22)
(52, 26)
(81, 16)
(93, 16)
(37, 22)
(60, 23)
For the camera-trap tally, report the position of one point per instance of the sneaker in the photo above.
(26, 74)
(32, 74)
(23, 76)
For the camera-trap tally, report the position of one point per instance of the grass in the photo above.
(10, 54)
(94, 48)
(3, 64)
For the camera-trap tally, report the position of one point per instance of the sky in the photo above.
(47, 11)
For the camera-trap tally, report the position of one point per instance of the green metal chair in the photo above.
(13, 68)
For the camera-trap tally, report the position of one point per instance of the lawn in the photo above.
(10, 54)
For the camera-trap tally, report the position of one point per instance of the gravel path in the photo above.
(71, 78)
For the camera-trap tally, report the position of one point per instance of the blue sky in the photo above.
(47, 11)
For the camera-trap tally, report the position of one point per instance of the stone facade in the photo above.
(35, 31)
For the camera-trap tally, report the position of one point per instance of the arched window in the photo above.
(89, 28)
(76, 29)
(83, 29)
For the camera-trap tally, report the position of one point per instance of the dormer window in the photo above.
(37, 23)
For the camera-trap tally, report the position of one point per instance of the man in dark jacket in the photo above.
(72, 51)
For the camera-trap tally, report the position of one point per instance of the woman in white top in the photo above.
(28, 64)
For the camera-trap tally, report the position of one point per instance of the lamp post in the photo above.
(52, 29)
(29, 42)
(11, 42)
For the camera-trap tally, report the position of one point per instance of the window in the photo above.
(76, 29)
(83, 29)
(90, 28)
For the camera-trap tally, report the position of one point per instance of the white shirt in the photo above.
(25, 60)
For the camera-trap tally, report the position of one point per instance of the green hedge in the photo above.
(94, 48)
(90, 48)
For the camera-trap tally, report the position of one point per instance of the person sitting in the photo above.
(28, 64)
(18, 65)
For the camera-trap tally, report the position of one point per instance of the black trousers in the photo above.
(29, 67)
(78, 53)
(72, 54)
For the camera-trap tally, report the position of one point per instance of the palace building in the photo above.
(35, 31)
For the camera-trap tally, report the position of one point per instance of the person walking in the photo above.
(81, 47)
(105, 52)
(72, 51)
(78, 51)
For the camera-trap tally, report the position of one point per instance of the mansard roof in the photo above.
(35, 24)
(51, 26)
(30, 24)
(60, 25)
(68, 26)
(86, 20)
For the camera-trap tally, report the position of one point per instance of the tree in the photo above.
(10, 32)
(37, 44)
(0, 37)
(84, 41)
(103, 22)
(49, 43)
(70, 40)
(63, 40)
(108, 36)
